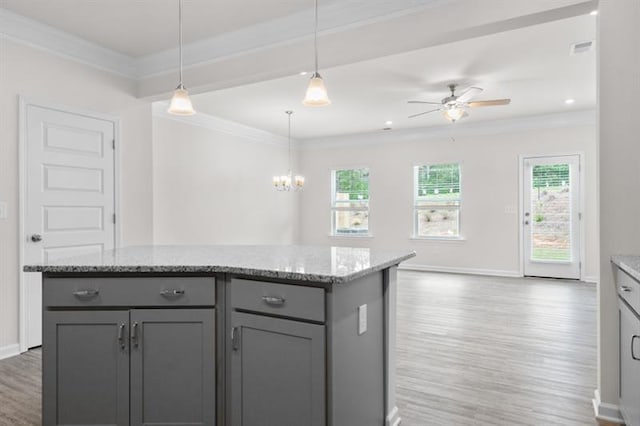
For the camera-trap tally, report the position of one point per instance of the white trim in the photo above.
(52, 40)
(590, 279)
(337, 17)
(438, 239)
(23, 102)
(217, 124)
(9, 350)
(605, 411)
(447, 131)
(458, 270)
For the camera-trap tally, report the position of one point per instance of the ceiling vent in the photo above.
(581, 47)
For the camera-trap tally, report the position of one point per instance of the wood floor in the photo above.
(471, 351)
(495, 351)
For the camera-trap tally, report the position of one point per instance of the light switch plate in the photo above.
(3, 210)
(362, 319)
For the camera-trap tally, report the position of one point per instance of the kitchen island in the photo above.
(221, 335)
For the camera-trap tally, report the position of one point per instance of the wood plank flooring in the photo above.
(495, 351)
(471, 351)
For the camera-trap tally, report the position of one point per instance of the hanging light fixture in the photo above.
(453, 113)
(180, 102)
(289, 181)
(316, 94)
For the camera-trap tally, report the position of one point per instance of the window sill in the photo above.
(438, 239)
(351, 235)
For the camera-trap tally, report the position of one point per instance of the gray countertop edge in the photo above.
(206, 269)
(628, 263)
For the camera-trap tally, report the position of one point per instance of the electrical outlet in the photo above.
(362, 319)
(3, 210)
(510, 210)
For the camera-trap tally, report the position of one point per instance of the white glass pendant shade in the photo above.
(454, 113)
(181, 103)
(316, 94)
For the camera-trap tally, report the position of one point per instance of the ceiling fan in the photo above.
(454, 106)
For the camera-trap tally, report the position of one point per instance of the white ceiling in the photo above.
(141, 27)
(530, 65)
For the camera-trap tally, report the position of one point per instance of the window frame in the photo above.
(418, 208)
(364, 207)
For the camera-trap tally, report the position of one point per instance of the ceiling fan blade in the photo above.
(424, 102)
(423, 113)
(493, 102)
(469, 94)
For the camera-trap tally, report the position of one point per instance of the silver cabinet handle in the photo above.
(134, 335)
(234, 339)
(86, 294)
(121, 336)
(273, 300)
(634, 337)
(625, 289)
(36, 238)
(173, 293)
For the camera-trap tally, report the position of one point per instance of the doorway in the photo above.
(68, 196)
(551, 215)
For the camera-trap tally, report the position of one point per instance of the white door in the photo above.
(69, 201)
(551, 216)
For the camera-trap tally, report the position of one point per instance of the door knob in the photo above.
(36, 238)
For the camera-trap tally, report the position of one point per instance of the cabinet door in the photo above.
(629, 366)
(172, 367)
(85, 360)
(277, 372)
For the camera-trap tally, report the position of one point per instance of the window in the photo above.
(350, 202)
(436, 208)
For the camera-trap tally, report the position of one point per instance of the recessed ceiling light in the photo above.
(593, 12)
(569, 101)
(388, 123)
(303, 73)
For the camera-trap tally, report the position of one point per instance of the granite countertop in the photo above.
(628, 263)
(332, 265)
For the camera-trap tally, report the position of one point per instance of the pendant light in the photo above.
(180, 102)
(289, 181)
(316, 94)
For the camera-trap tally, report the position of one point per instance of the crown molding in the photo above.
(217, 124)
(449, 130)
(336, 17)
(32, 33)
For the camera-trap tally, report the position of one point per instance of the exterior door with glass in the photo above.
(551, 216)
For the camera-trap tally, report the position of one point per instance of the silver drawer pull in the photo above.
(633, 338)
(273, 300)
(86, 294)
(625, 289)
(173, 293)
(121, 336)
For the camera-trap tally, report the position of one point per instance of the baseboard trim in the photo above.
(604, 411)
(393, 418)
(9, 351)
(457, 270)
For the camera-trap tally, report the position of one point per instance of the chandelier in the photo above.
(289, 181)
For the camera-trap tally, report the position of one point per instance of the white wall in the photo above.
(214, 187)
(619, 174)
(44, 77)
(489, 174)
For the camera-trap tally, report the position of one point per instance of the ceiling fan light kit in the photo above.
(454, 107)
(180, 102)
(316, 94)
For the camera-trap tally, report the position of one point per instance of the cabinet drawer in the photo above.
(278, 299)
(151, 291)
(628, 289)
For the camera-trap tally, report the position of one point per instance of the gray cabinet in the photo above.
(129, 367)
(629, 365)
(277, 372)
(172, 367)
(86, 368)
